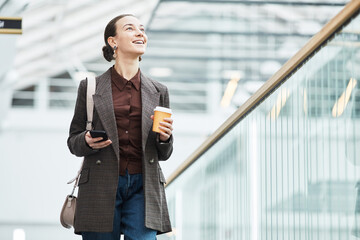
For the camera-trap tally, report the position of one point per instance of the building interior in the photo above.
(265, 105)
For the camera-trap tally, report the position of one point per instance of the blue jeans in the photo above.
(129, 212)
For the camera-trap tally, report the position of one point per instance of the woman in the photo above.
(121, 188)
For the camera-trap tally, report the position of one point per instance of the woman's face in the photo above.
(130, 39)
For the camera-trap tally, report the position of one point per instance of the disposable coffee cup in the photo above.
(159, 114)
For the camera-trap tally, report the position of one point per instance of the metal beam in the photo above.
(262, 2)
(153, 13)
(220, 58)
(273, 34)
(239, 19)
(3, 4)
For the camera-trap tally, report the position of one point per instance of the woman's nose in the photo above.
(139, 32)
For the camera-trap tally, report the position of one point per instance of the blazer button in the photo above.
(98, 162)
(151, 160)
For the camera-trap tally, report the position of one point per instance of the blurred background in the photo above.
(211, 54)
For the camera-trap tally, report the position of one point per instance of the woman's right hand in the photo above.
(94, 142)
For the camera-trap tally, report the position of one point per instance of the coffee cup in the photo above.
(159, 114)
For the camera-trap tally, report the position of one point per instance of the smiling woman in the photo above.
(130, 31)
(121, 188)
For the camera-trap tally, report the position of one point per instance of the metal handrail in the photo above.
(290, 67)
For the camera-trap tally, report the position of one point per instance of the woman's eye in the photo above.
(143, 30)
(129, 28)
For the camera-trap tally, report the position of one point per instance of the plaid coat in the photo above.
(99, 176)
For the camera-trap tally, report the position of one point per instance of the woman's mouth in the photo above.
(138, 42)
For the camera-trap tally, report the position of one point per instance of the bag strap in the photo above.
(91, 85)
(90, 91)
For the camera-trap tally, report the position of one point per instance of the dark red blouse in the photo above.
(127, 107)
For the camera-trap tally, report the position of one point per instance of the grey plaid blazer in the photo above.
(99, 176)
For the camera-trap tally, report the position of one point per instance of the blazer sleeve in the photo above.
(76, 140)
(165, 149)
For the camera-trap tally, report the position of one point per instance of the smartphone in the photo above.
(99, 133)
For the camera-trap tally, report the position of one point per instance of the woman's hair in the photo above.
(110, 31)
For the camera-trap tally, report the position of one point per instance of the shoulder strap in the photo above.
(91, 85)
(90, 91)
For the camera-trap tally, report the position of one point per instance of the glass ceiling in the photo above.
(197, 45)
(197, 48)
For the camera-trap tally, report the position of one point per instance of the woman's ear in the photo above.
(111, 42)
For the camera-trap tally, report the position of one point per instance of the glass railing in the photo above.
(286, 164)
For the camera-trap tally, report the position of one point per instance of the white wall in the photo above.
(35, 166)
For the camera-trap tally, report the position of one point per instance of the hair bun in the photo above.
(108, 53)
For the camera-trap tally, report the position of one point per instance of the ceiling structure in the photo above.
(214, 43)
(58, 36)
(195, 47)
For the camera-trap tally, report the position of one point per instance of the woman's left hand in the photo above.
(166, 128)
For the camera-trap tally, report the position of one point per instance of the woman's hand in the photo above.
(166, 128)
(94, 142)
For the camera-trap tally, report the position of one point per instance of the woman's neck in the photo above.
(127, 68)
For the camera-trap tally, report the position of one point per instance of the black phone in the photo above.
(99, 133)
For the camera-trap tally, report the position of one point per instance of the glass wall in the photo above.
(290, 168)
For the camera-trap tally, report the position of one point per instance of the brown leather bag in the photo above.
(67, 214)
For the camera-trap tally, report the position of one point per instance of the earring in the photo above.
(114, 55)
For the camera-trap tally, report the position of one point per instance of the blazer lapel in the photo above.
(103, 103)
(149, 100)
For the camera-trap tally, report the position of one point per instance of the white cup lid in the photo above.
(163, 109)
